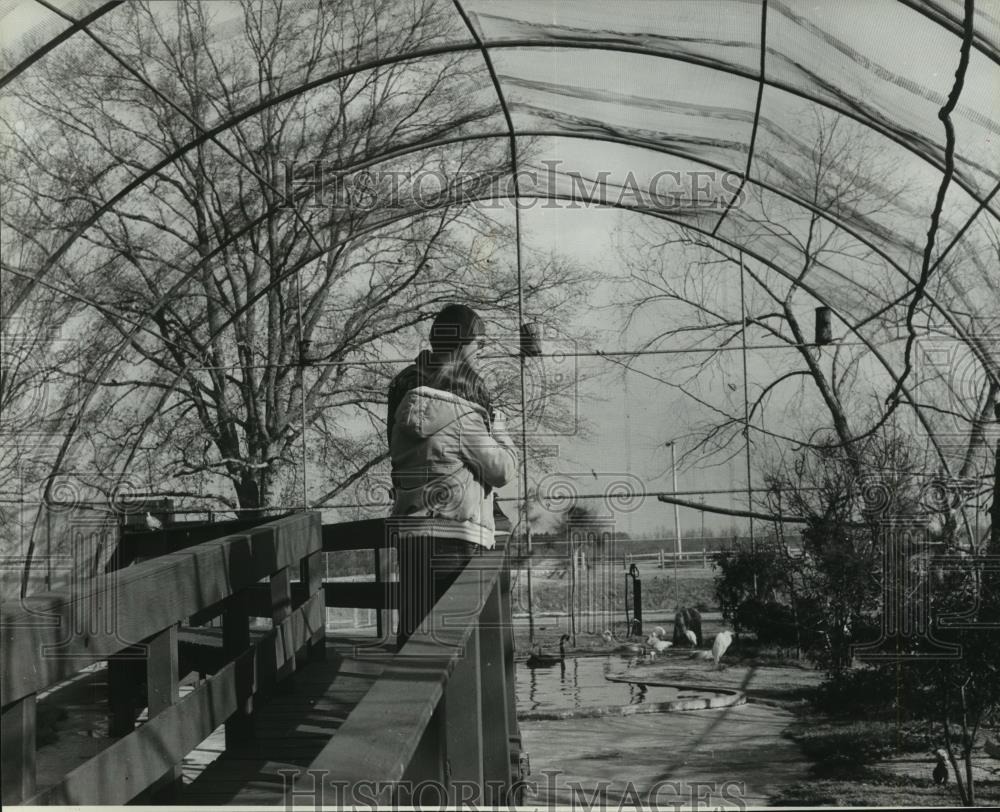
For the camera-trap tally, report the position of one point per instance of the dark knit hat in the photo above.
(455, 326)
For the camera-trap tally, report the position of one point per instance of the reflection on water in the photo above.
(580, 682)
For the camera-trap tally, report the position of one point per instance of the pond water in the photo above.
(580, 687)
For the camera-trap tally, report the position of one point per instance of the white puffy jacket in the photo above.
(445, 463)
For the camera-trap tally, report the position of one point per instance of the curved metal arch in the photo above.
(979, 42)
(639, 144)
(981, 355)
(165, 394)
(417, 147)
(904, 390)
(733, 70)
(617, 139)
(652, 147)
(461, 48)
(212, 132)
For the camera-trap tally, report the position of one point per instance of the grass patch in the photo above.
(873, 787)
(837, 747)
(550, 590)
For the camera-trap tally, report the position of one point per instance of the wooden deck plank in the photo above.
(136, 765)
(290, 730)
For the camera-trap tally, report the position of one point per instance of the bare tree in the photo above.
(275, 246)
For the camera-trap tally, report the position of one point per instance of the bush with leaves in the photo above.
(755, 590)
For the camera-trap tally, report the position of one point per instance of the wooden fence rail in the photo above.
(443, 710)
(130, 617)
(664, 559)
(442, 716)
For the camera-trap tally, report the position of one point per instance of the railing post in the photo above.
(427, 769)
(515, 751)
(17, 746)
(162, 689)
(463, 724)
(311, 573)
(281, 607)
(125, 680)
(236, 641)
(383, 575)
(500, 736)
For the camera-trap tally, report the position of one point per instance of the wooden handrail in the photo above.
(49, 637)
(136, 611)
(442, 709)
(363, 534)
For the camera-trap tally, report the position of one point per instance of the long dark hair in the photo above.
(443, 371)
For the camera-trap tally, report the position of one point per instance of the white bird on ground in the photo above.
(152, 522)
(723, 640)
(656, 644)
(692, 637)
(940, 773)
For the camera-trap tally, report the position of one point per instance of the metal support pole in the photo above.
(302, 391)
(524, 503)
(677, 522)
(746, 413)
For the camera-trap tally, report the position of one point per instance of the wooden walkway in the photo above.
(289, 732)
(280, 707)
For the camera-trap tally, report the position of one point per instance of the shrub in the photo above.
(772, 623)
(853, 744)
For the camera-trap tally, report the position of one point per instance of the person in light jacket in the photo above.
(449, 451)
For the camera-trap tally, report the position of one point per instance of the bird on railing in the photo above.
(540, 659)
(622, 647)
(152, 522)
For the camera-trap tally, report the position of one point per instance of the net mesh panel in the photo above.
(647, 114)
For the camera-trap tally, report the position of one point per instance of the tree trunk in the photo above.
(990, 603)
(994, 546)
(248, 491)
(962, 792)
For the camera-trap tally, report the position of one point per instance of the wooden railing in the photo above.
(442, 712)
(380, 594)
(131, 616)
(441, 718)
